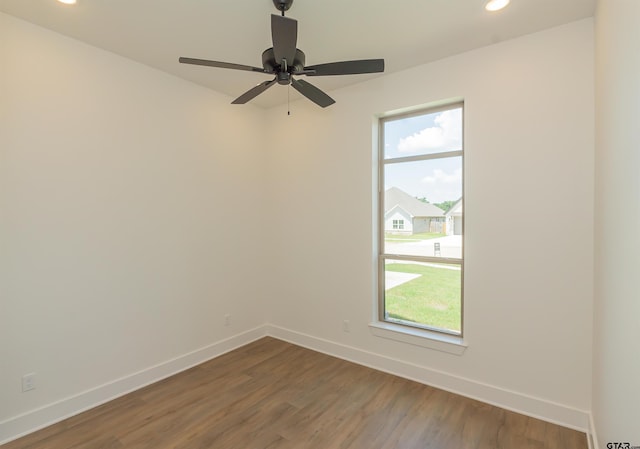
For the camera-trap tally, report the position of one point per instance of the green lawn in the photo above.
(413, 237)
(433, 299)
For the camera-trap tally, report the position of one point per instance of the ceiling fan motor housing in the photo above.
(271, 66)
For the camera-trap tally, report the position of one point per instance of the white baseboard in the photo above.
(31, 421)
(511, 400)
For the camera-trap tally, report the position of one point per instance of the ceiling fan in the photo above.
(285, 61)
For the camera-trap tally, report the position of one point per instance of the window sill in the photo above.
(419, 337)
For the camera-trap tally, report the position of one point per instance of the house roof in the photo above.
(455, 209)
(394, 197)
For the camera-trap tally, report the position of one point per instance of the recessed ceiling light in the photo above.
(496, 5)
(68, 2)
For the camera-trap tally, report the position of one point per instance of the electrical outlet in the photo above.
(29, 382)
(227, 320)
(345, 326)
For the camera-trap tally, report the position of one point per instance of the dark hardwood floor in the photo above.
(272, 394)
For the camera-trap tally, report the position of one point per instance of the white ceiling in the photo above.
(405, 33)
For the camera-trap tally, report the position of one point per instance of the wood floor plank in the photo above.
(275, 395)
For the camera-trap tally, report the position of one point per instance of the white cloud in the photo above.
(446, 136)
(440, 176)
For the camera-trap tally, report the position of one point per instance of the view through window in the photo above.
(421, 219)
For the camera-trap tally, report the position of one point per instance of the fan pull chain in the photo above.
(288, 100)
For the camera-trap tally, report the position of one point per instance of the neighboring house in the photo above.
(454, 219)
(405, 214)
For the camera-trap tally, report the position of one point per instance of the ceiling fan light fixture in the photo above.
(496, 5)
(68, 2)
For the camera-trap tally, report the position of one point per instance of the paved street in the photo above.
(450, 246)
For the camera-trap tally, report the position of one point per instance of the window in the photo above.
(421, 179)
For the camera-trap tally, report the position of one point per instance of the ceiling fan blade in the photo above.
(312, 93)
(346, 67)
(222, 65)
(254, 92)
(284, 33)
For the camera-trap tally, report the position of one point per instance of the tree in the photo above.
(446, 205)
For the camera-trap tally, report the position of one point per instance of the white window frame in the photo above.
(434, 338)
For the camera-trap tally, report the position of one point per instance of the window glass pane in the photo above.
(421, 220)
(425, 134)
(423, 208)
(423, 294)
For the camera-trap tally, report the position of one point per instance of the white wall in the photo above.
(529, 150)
(616, 378)
(120, 188)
